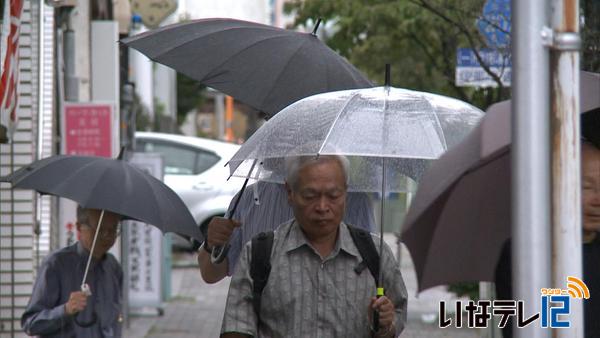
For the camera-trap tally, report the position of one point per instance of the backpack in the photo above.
(260, 264)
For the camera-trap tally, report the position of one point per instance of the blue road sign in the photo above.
(495, 23)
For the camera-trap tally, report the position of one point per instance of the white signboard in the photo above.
(144, 248)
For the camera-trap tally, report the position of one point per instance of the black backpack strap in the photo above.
(260, 266)
(364, 243)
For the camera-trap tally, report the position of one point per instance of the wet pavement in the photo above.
(196, 309)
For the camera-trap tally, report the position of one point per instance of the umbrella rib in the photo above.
(96, 186)
(337, 117)
(279, 74)
(443, 188)
(212, 74)
(193, 39)
(439, 124)
(149, 180)
(74, 173)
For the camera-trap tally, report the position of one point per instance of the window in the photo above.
(179, 159)
(205, 160)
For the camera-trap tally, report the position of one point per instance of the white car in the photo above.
(195, 169)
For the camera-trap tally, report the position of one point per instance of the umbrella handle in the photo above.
(375, 322)
(219, 253)
(380, 293)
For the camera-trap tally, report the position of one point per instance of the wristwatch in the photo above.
(206, 247)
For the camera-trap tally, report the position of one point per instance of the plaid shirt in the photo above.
(273, 209)
(307, 296)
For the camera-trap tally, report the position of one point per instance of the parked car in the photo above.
(195, 169)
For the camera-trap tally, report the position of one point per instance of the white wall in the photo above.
(251, 10)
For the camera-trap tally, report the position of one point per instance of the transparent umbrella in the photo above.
(387, 133)
(406, 128)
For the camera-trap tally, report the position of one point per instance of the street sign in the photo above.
(88, 129)
(143, 251)
(153, 12)
(495, 23)
(469, 72)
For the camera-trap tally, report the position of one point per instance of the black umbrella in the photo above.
(108, 184)
(265, 67)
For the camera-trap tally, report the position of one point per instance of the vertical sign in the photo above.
(143, 249)
(88, 129)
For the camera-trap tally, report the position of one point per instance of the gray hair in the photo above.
(83, 215)
(294, 164)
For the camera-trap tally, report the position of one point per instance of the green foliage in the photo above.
(590, 35)
(140, 111)
(469, 289)
(189, 96)
(418, 38)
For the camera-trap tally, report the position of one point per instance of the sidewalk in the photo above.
(196, 309)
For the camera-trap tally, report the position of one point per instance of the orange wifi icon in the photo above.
(577, 288)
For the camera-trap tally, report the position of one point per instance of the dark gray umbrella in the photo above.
(461, 214)
(265, 67)
(108, 184)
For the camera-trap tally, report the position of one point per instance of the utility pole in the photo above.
(530, 160)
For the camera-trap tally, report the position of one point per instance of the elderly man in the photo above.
(315, 287)
(272, 210)
(58, 308)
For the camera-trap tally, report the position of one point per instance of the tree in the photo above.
(590, 34)
(418, 38)
(189, 96)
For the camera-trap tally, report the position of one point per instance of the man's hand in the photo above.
(218, 233)
(77, 302)
(386, 315)
(220, 230)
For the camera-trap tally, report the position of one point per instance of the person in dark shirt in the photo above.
(590, 195)
(58, 307)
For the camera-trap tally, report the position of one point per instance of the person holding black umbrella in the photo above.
(58, 306)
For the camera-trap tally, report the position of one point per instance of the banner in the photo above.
(9, 59)
(142, 250)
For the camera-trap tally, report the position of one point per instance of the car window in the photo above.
(205, 160)
(179, 159)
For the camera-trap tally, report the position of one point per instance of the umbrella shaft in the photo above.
(237, 201)
(87, 267)
(382, 220)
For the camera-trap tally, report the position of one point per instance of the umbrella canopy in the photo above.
(461, 214)
(406, 127)
(108, 184)
(265, 67)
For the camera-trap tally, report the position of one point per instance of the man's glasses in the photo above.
(107, 233)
